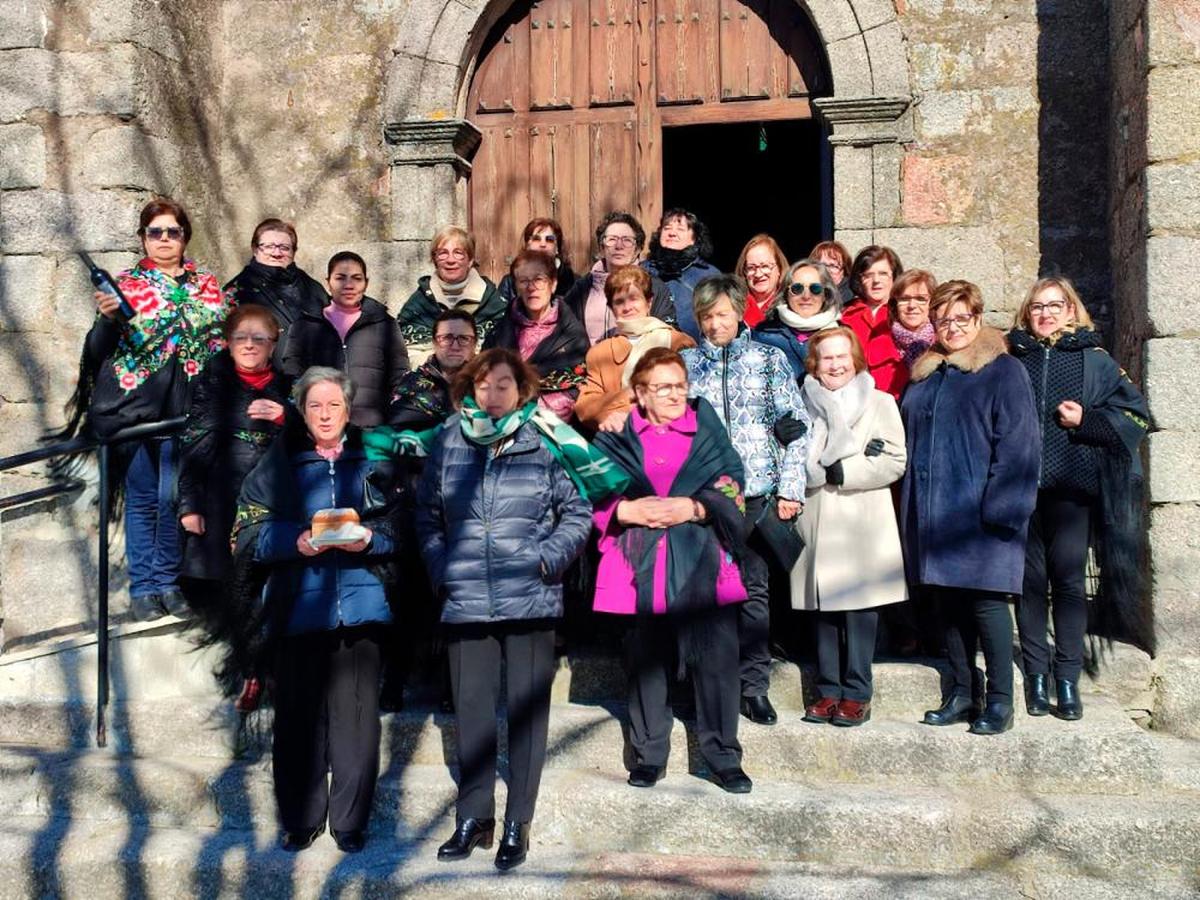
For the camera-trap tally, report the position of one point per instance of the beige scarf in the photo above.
(471, 291)
(644, 334)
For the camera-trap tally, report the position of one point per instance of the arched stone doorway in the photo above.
(585, 106)
(433, 142)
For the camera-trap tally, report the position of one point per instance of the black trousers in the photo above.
(527, 648)
(651, 647)
(845, 649)
(327, 720)
(754, 615)
(1055, 558)
(974, 617)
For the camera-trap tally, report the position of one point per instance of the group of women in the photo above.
(844, 427)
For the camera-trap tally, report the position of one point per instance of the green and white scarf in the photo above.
(593, 473)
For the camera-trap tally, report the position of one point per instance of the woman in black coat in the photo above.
(353, 333)
(272, 280)
(1092, 419)
(544, 332)
(968, 492)
(237, 409)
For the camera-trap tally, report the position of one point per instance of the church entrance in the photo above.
(592, 105)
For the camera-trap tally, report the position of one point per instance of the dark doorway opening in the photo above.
(748, 177)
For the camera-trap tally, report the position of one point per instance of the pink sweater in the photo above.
(665, 447)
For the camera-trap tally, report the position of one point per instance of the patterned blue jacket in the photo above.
(751, 387)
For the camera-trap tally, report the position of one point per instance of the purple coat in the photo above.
(665, 448)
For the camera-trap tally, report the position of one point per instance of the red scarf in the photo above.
(255, 380)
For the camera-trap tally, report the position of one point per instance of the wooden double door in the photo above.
(572, 97)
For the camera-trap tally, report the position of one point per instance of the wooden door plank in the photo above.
(551, 54)
(612, 52)
(679, 71)
(745, 50)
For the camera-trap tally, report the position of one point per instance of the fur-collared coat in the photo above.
(974, 447)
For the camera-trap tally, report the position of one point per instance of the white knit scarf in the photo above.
(834, 413)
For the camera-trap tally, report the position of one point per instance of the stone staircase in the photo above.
(181, 804)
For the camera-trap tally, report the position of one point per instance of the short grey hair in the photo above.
(315, 375)
(833, 297)
(710, 291)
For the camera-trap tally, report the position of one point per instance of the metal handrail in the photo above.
(68, 484)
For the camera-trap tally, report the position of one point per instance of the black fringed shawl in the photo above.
(711, 474)
(249, 629)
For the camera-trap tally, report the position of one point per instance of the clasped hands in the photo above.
(658, 512)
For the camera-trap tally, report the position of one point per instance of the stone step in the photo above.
(1105, 751)
(66, 859)
(915, 828)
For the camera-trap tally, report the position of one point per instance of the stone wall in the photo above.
(1156, 240)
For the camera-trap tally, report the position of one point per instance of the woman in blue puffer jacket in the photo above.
(500, 521)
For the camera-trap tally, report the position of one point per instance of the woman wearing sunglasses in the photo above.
(811, 304)
(138, 367)
(543, 235)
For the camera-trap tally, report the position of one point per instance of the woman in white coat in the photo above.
(851, 563)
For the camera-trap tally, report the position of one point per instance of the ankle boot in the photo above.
(513, 846)
(997, 718)
(956, 709)
(1070, 707)
(468, 834)
(1037, 698)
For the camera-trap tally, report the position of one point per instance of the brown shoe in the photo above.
(852, 712)
(248, 700)
(821, 711)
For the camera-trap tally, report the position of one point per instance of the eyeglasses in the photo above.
(171, 233)
(454, 340)
(667, 388)
(445, 253)
(910, 300)
(545, 238)
(761, 267)
(258, 340)
(960, 322)
(796, 288)
(618, 240)
(1054, 308)
(535, 281)
(832, 265)
(275, 248)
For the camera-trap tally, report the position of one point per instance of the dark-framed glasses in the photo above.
(275, 248)
(1053, 308)
(961, 322)
(665, 389)
(454, 340)
(912, 300)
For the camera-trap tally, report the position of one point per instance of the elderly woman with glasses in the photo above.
(310, 517)
(620, 239)
(1092, 421)
(237, 409)
(272, 280)
(811, 305)
(455, 284)
(974, 448)
(669, 546)
(139, 364)
(752, 388)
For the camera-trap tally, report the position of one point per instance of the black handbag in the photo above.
(781, 537)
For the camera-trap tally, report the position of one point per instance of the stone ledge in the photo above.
(427, 142)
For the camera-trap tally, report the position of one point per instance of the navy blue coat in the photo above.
(498, 532)
(333, 588)
(974, 447)
(681, 289)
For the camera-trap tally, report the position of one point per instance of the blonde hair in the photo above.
(1021, 320)
(455, 233)
(956, 291)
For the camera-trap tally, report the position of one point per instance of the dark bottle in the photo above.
(105, 282)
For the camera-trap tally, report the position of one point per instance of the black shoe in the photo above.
(646, 776)
(759, 710)
(514, 846)
(956, 709)
(295, 841)
(147, 608)
(1070, 706)
(734, 780)
(468, 834)
(391, 696)
(997, 718)
(175, 604)
(349, 841)
(1037, 700)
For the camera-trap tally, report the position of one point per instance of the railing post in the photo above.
(102, 604)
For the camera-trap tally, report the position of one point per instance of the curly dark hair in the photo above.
(624, 218)
(703, 240)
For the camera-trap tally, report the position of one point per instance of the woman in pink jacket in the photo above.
(669, 548)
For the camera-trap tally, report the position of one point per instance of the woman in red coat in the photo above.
(871, 277)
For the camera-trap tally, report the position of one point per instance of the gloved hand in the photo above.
(788, 429)
(834, 474)
(874, 447)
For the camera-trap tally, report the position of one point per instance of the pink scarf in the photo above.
(912, 344)
(531, 333)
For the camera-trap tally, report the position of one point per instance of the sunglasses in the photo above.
(173, 233)
(796, 288)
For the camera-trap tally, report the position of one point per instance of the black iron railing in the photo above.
(68, 484)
